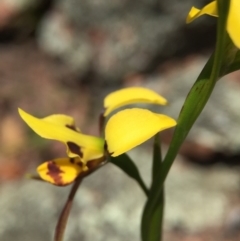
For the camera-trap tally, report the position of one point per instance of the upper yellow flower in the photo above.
(131, 127)
(124, 131)
(233, 21)
(131, 95)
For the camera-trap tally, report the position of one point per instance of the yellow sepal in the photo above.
(61, 171)
(78, 145)
(210, 9)
(233, 22)
(131, 127)
(131, 95)
(62, 120)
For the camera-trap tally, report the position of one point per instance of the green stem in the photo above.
(157, 157)
(162, 206)
(152, 228)
(207, 88)
(157, 220)
(194, 104)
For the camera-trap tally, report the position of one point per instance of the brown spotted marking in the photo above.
(74, 148)
(72, 127)
(54, 172)
(80, 164)
(72, 160)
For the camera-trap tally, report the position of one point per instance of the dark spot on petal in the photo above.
(72, 160)
(54, 172)
(80, 164)
(74, 148)
(72, 127)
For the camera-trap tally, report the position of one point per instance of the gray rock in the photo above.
(103, 209)
(108, 204)
(196, 198)
(114, 38)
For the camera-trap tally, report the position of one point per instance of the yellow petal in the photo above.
(129, 96)
(233, 22)
(131, 127)
(210, 9)
(62, 120)
(60, 172)
(50, 130)
(85, 154)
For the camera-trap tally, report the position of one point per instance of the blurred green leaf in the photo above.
(151, 226)
(201, 90)
(235, 64)
(194, 104)
(157, 157)
(125, 163)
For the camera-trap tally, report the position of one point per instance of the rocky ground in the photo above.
(65, 63)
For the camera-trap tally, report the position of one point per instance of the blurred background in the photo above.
(64, 57)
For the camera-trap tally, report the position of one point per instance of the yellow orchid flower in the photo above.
(124, 130)
(233, 21)
(131, 95)
(62, 128)
(63, 171)
(81, 149)
(131, 127)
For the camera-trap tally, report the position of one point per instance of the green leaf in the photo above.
(125, 163)
(235, 64)
(201, 90)
(151, 226)
(231, 57)
(194, 104)
(157, 157)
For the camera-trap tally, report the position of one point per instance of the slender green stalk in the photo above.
(161, 214)
(200, 92)
(157, 223)
(194, 104)
(157, 157)
(153, 230)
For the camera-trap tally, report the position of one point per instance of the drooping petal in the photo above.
(61, 171)
(85, 154)
(210, 9)
(131, 127)
(233, 22)
(76, 142)
(131, 95)
(62, 120)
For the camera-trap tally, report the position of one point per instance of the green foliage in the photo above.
(125, 163)
(151, 226)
